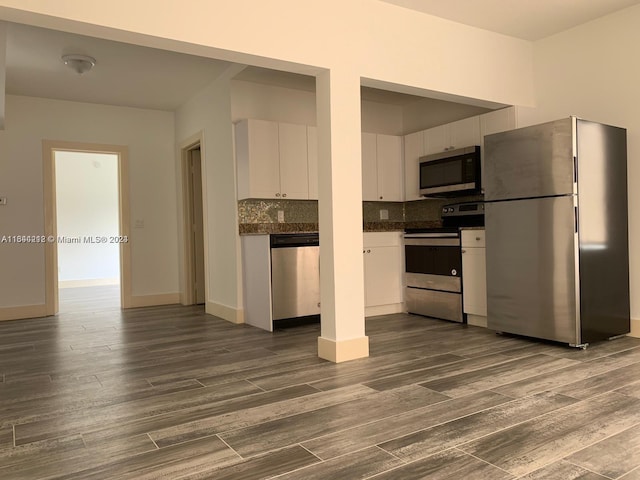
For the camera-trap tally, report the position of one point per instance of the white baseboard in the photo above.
(635, 328)
(230, 314)
(477, 320)
(91, 282)
(137, 301)
(343, 350)
(383, 309)
(26, 311)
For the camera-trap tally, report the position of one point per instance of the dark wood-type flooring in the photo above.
(169, 392)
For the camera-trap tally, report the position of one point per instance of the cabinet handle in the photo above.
(380, 198)
(277, 194)
(368, 251)
(463, 251)
(478, 239)
(284, 194)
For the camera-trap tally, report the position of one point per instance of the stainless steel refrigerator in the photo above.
(556, 231)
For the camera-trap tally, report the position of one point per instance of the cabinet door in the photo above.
(312, 160)
(390, 172)
(474, 282)
(382, 275)
(465, 133)
(437, 139)
(413, 150)
(294, 171)
(261, 158)
(497, 121)
(369, 167)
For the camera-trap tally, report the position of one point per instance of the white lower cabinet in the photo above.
(383, 271)
(474, 277)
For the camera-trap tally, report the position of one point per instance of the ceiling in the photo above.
(526, 19)
(135, 76)
(124, 75)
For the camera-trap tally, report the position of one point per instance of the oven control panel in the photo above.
(463, 209)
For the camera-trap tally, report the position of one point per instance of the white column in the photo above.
(340, 217)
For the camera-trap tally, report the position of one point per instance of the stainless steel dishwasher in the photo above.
(295, 275)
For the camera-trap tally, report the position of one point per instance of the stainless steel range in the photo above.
(433, 263)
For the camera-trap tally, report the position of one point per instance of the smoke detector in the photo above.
(79, 63)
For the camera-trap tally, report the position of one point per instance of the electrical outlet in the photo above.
(384, 214)
(280, 216)
(3, 200)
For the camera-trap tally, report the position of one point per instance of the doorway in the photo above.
(86, 192)
(87, 226)
(194, 241)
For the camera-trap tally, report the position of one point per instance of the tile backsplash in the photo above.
(265, 211)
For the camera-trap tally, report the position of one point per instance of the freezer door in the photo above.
(531, 268)
(529, 162)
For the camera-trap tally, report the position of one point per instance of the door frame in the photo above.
(49, 147)
(188, 296)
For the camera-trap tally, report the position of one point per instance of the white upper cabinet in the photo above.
(294, 170)
(382, 172)
(451, 136)
(258, 159)
(312, 157)
(390, 171)
(497, 121)
(369, 167)
(271, 160)
(413, 150)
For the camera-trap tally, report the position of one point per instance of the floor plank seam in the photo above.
(258, 386)
(404, 461)
(481, 460)
(154, 442)
(564, 459)
(228, 446)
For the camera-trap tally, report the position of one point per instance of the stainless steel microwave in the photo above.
(451, 173)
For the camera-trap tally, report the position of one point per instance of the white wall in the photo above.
(592, 71)
(269, 102)
(149, 135)
(87, 207)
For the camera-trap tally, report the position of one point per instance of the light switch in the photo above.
(280, 216)
(3, 200)
(384, 214)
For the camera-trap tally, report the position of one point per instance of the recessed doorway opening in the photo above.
(87, 253)
(87, 223)
(193, 194)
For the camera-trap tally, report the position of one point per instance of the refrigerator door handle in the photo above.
(575, 223)
(575, 169)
